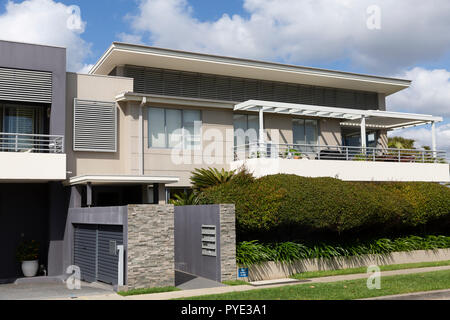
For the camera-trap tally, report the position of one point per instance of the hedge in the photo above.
(294, 206)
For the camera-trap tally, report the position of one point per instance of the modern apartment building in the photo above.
(132, 130)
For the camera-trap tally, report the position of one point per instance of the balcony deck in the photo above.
(345, 163)
(32, 158)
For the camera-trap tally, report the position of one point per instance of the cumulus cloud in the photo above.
(429, 92)
(302, 32)
(47, 22)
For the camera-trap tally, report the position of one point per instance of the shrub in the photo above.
(254, 252)
(27, 251)
(293, 207)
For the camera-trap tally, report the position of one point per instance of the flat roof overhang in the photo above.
(349, 117)
(129, 54)
(119, 180)
(173, 100)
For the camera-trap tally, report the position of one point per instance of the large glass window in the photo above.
(21, 119)
(305, 132)
(246, 129)
(173, 128)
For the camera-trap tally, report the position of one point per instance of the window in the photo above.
(246, 129)
(305, 132)
(21, 119)
(173, 128)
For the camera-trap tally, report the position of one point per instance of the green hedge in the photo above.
(289, 204)
(254, 252)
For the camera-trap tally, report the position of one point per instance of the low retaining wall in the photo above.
(277, 270)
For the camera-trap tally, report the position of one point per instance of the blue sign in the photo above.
(243, 273)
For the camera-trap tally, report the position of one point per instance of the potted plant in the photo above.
(27, 254)
(292, 153)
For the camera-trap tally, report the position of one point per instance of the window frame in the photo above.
(166, 133)
(304, 129)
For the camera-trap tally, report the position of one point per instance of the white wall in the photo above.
(19, 166)
(348, 170)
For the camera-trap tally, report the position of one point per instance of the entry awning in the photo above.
(350, 117)
(120, 179)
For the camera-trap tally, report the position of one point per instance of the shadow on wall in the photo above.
(276, 270)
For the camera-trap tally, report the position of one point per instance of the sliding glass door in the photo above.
(305, 132)
(22, 120)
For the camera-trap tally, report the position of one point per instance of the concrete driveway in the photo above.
(50, 291)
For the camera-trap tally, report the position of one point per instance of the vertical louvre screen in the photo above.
(95, 126)
(25, 85)
(208, 86)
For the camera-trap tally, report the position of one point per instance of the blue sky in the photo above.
(412, 40)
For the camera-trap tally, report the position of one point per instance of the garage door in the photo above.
(95, 253)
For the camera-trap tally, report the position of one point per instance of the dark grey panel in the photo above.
(85, 251)
(25, 56)
(108, 262)
(188, 240)
(208, 86)
(24, 211)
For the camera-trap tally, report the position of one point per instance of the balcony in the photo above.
(345, 163)
(32, 158)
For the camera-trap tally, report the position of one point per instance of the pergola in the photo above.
(349, 117)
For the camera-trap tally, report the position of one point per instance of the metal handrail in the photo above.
(31, 143)
(345, 153)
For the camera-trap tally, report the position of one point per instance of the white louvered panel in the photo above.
(95, 126)
(25, 85)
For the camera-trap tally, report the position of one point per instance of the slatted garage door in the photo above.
(92, 253)
(107, 262)
(85, 251)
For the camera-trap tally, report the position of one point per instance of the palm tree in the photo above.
(401, 143)
(204, 178)
(185, 199)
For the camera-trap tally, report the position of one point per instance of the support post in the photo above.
(161, 193)
(120, 275)
(89, 194)
(363, 135)
(433, 140)
(261, 130)
(141, 136)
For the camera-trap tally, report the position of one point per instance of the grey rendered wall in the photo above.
(51, 59)
(41, 58)
(188, 243)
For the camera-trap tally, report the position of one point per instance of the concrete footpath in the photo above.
(276, 283)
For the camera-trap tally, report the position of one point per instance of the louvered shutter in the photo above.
(95, 126)
(25, 85)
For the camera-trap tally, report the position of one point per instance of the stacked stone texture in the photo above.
(227, 242)
(150, 253)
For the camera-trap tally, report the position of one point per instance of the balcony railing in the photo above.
(343, 153)
(31, 143)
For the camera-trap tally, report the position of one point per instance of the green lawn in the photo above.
(343, 290)
(318, 274)
(236, 283)
(147, 291)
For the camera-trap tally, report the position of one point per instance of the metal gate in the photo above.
(95, 252)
